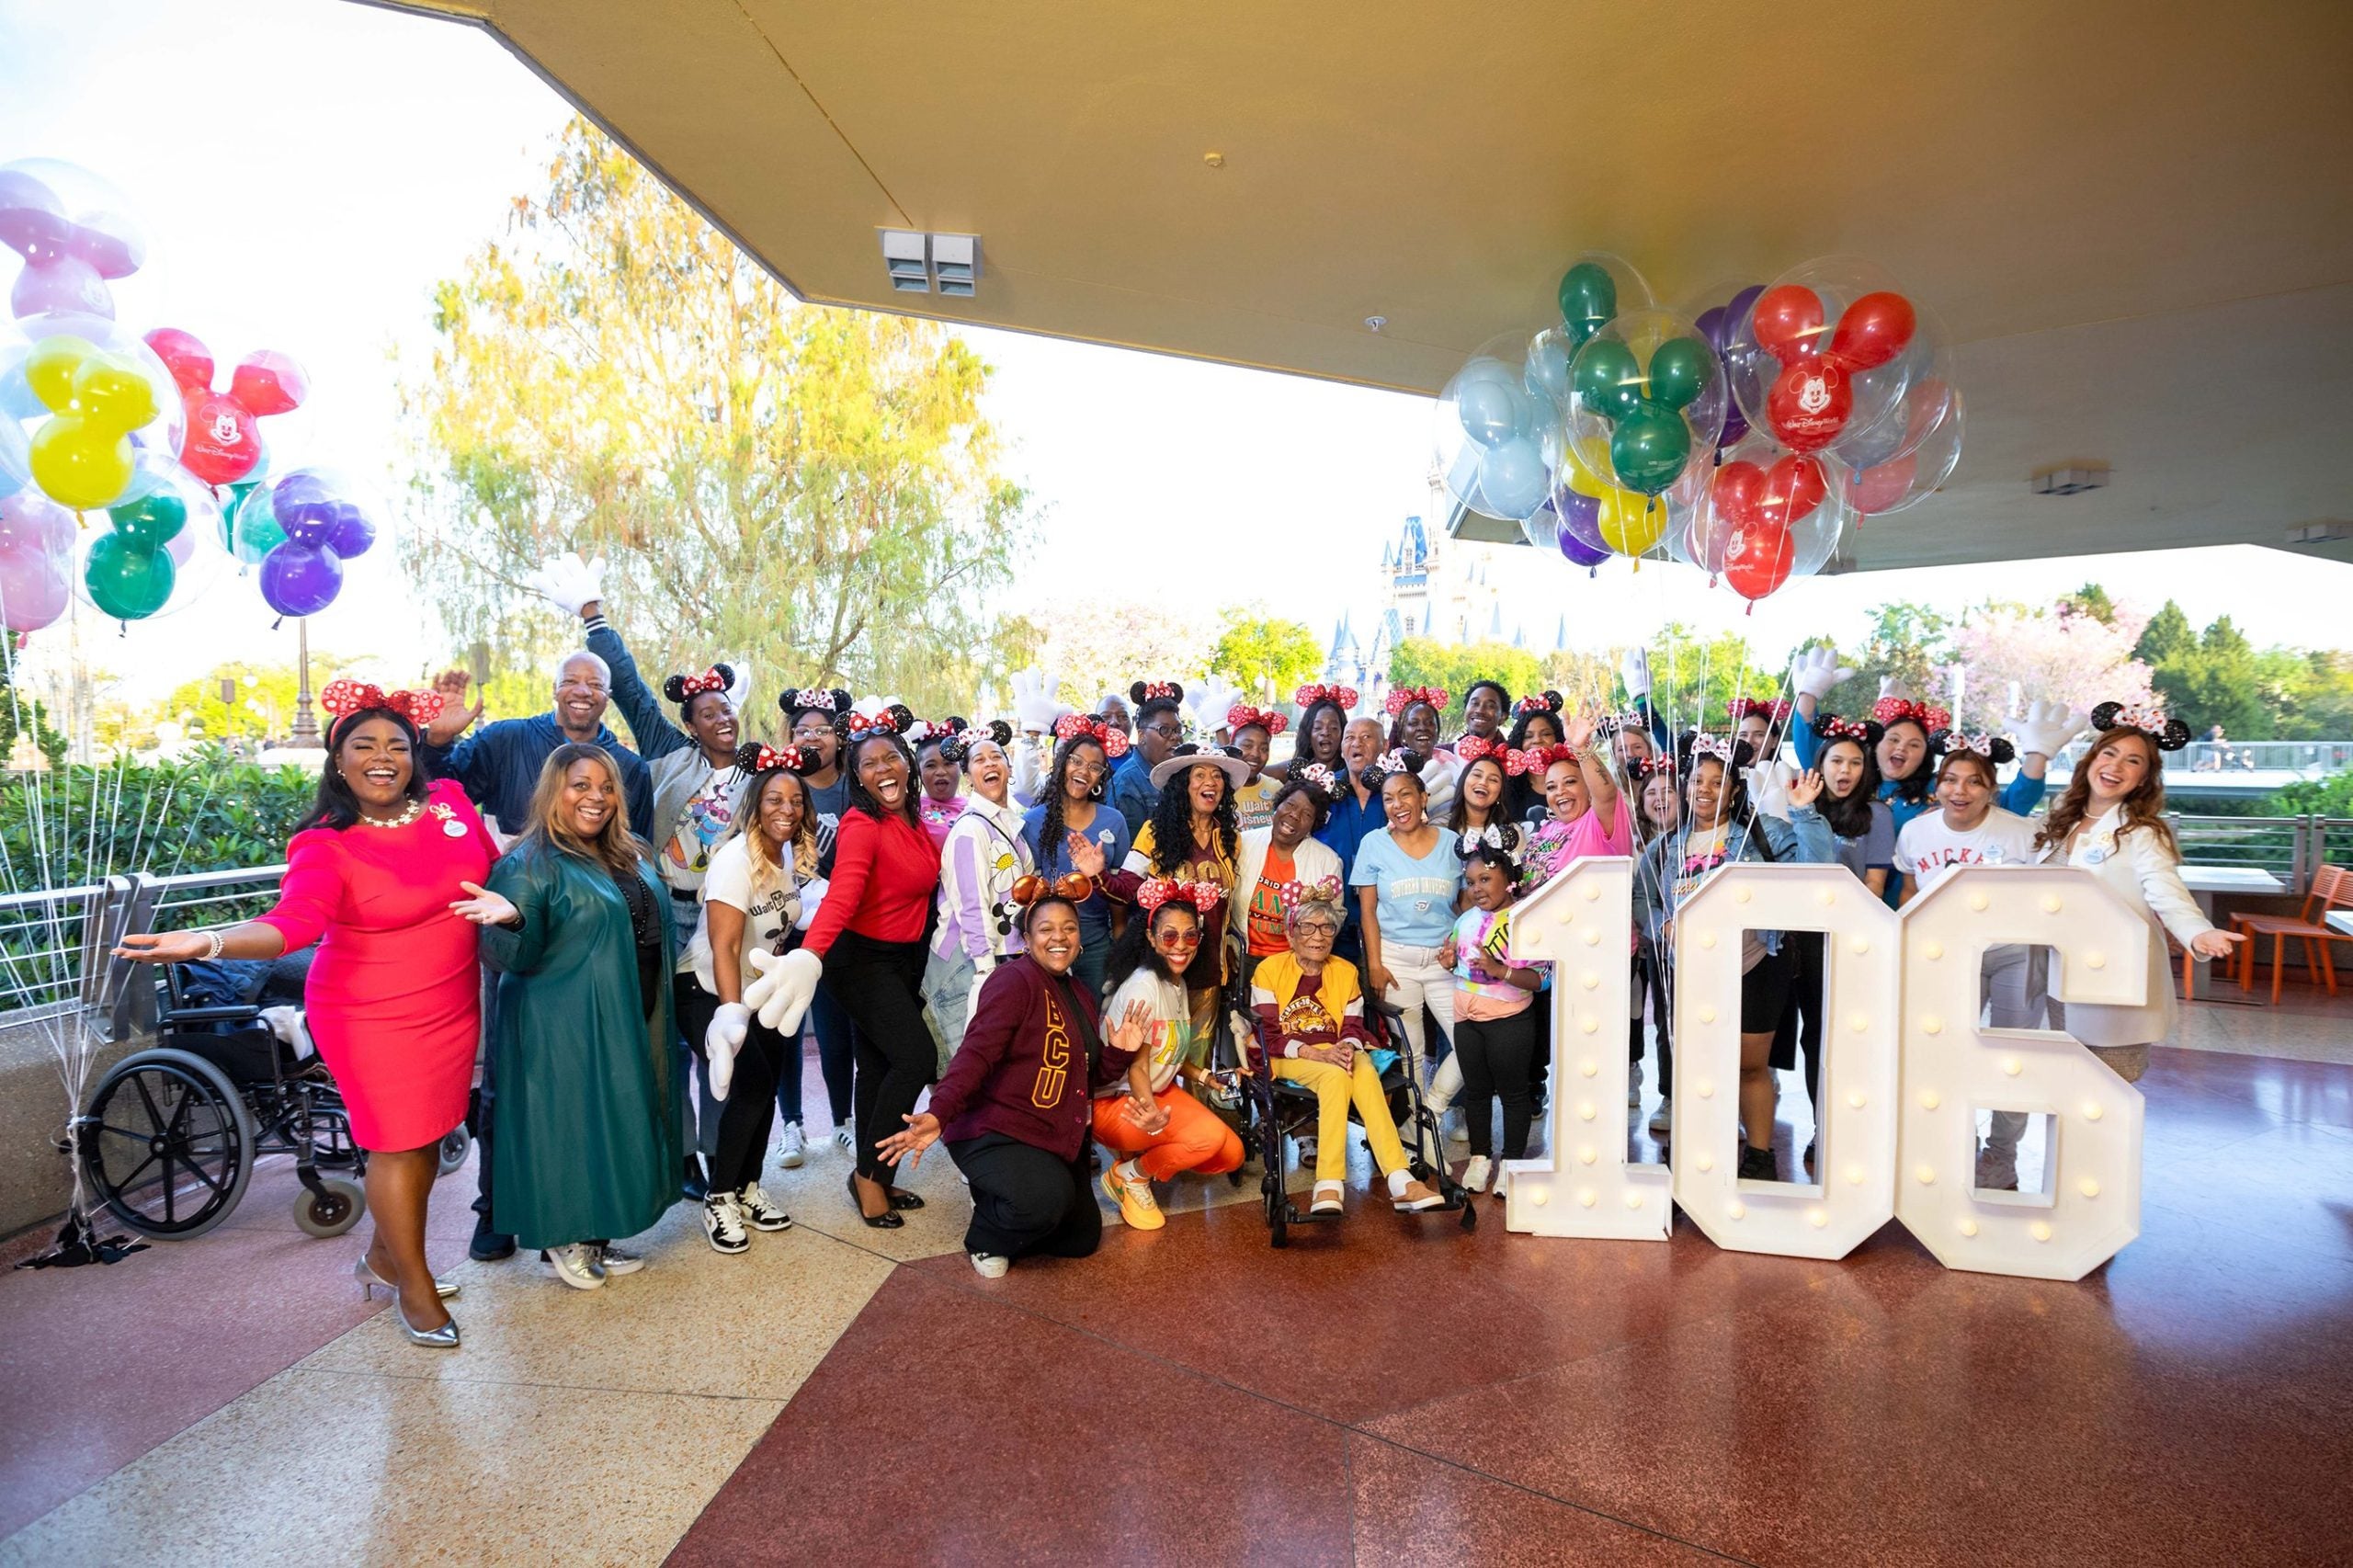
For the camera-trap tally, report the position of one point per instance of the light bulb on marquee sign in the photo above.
(1905, 1064)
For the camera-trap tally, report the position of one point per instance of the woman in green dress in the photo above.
(587, 1146)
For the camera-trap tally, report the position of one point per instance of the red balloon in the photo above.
(1736, 488)
(270, 382)
(186, 357)
(1877, 489)
(1809, 405)
(1787, 323)
(1759, 560)
(1793, 488)
(1875, 329)
(223, 443)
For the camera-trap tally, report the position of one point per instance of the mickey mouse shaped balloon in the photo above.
(325, 524)
(77, 238)
(224, 444)
(1825, 354)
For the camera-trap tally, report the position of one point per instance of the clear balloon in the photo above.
(1823, 358)
(222, 441)
(1759, 486)
(1647, 396)
(1495, 431)
(103, 402)
(76, 237)
(174, 515)
(36, 538)
(1596, 286)
(300, 579)
(1542, 528)
(1907, 480)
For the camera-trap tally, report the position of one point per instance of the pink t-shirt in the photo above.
(1556, 844)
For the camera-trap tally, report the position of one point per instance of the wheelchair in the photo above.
(1280, 1112)
(169, 1138)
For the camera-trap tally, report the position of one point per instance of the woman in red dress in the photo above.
(385, 876)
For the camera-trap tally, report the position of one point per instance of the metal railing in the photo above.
(2278, 845)
(2312, 759)
(55, 946)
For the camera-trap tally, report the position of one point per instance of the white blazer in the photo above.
(1312, 861)
(2140, 870)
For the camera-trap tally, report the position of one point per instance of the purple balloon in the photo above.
(1581, 521)
(303, 506)
(300, 579)
(1736, 426)
(1711, 326)
(349, 532)
(1579, 553)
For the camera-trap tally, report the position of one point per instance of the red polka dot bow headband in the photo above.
(1740, 708)
(1897, 710)
(1475, 748)
(1202, 896)
(695, 685)
(1833, 728)
(759, 758)
(1242, 716)
(1086, 726)
(1536, 759)
(1344, 696)
(1403, 697)
(345, 697)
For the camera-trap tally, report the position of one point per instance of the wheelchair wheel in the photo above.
(333, 1209)
(455, 1144)
(330, 1138)
(168, 1143)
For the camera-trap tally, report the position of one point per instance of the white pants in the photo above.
(1418, 979)
(2015, 982)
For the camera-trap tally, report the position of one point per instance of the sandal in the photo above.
(886, 1220)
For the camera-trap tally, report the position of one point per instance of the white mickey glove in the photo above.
(813, 898)
(2048, 727)
(1890, 687)
(1035, 706)
(568, 581)
(1635, 671)
(720, 1044)
(1210, 701)
(972, 999)
(784, 987)
(1815, 671)
(1769, 789)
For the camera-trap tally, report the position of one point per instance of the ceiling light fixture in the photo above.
(1374, 323)
(2070, 479)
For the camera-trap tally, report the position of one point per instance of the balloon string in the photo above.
(279, 622)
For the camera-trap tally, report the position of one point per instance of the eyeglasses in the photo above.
(1166, 732)
(1088, 772)
(1323, 928)
(1178, 938)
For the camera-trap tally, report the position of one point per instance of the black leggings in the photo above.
(1651, 975)
(747, 1115)
(1801, 1024)
(1026, 1200)
(879, 988)
(1497, 1056)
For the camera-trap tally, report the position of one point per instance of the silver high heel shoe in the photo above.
(371, 1281)
(442, 1339)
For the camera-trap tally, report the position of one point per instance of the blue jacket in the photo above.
(1133, 795)
(498, 766)
(2019, 796)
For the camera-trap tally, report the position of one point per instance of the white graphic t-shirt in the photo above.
(1927, 848)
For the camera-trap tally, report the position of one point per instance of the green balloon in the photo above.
(1680, 372)
(257, 532)
(237, 493)
(127, 579)
(1608, 380)
(1649, 448)
(152, 519)
(1589, 299)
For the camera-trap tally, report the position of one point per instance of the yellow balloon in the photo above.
(1632, 523)
(113, 393)
(79, 467)
(1587, 461)
(52, 367)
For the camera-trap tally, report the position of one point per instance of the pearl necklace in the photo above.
(415, 809)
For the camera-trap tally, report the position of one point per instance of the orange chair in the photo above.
(2332, 889)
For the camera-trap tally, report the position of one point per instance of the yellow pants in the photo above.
(1333, 1089)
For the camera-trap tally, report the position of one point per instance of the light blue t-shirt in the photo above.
(1414, 899)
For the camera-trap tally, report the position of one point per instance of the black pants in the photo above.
(879, 987)
(1801, 1024)
(1027, 1201)
(1540, 1058)
(1650, 975)
(484, 1100)
(747, 1115)
(1495, 1056)
(833, 1032)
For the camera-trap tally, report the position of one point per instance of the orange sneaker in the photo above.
(1138, 1211)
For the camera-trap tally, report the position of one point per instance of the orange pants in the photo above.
(1194, 1140)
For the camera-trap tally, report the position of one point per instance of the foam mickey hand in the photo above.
(569, 583)
(781, 991)
(2048, 727)
(1635, 671)
(1034, 703)
(1890, 685)
(1210, 701)
(720, 1041)
(1769, 789)
(1814, 672)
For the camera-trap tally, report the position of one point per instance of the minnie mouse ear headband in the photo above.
(956, 738)
(1324, 889)
(1892, 711)
(1504, 838)
(1031, 889)
(1773, 712)
(1389, 765)
(1537, 759)
(1403, 697)
(1242, 716)
(880, 719)
(1539, 702)
(1315, 779)
(1189, 756)
(345, 697)
(1642, 770)
(795, 701)
(684, 689)
(1145, 691)
(1477, 748)
(1991, 748)
(1866, 733)
(1614, 723)
(1732, 752)
(2170, 735)
(1344, 697)
(756, 758)
(1087, 727)
(1203, 896)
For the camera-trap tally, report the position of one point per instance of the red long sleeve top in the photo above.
(885, 874)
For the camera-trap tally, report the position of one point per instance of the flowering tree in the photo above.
(2018, 653)
(1102, 647)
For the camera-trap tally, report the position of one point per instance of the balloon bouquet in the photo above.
(1744, 439)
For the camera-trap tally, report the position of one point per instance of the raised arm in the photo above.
(640, 705)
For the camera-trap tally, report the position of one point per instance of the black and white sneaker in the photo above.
(723, 1224)
(758, 1212)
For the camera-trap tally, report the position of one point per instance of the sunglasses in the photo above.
(1177, 939)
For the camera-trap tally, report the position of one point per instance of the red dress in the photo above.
(394, 998)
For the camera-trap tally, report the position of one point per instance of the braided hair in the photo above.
(1051, 831)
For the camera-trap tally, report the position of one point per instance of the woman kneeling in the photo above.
(1310, 1014)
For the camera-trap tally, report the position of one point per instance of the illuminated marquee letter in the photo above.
(1579, 922)
(2090, 1205)
(1854, 1194)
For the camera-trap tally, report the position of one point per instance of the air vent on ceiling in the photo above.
(2070, 479)
(919, 263)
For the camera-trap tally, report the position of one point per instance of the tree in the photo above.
(2167, 637)
(2015, 656)
(2206, 679)
(23, 715)
(1418, 661)
(813, 490)
(1104, 647)
(1692, 678)
(2091, 599)
(2307, 694)
(1266, 656)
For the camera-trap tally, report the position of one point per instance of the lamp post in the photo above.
(306, 725)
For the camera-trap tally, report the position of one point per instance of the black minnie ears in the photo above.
(2171, 734)
(720, 678)
(797, 700)
(1144, 691)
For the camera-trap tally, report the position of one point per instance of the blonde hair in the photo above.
(765, 871)
(615, 847)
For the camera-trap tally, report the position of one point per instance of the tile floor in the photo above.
(1388, 1389)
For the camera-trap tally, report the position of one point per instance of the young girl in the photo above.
(1253, 731)
(1146, 1118)
(1660, 815)
(1970, 830)
(1494, 1024)
(1720, 827)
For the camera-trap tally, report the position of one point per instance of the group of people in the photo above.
(1078, 928)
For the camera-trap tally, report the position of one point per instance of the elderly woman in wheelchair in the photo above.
(1309, 1013)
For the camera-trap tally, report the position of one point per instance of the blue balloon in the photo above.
(1491, 413)
(1512, 481)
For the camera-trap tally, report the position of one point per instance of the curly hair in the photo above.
(1315, 797)
(2143, 809)
(1303, 739)
(1049, 828)
(1171, 825)
(1134, 951)
(860, 801)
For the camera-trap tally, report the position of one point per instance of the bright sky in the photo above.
(307, 170)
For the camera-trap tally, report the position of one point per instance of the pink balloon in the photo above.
(33, 591)
(33, 525)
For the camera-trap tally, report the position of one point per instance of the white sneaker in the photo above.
(1634, 1086)
(988, 1265)
(617, 1260)
(796, 1147)
(842, 1137)
(723, 1224)
(758, 1212)
(1475, 1174)
(1460, 1132)
(576, 1266)
(1663, 1118)
(1327, 1199)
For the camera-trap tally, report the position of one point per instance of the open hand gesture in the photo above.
(1128, 1034)
(1085, 855)
(484, 907)
(922, 1132)
(456, 714)
(1805, 789)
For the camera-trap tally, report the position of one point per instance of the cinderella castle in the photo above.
(1432, 586)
